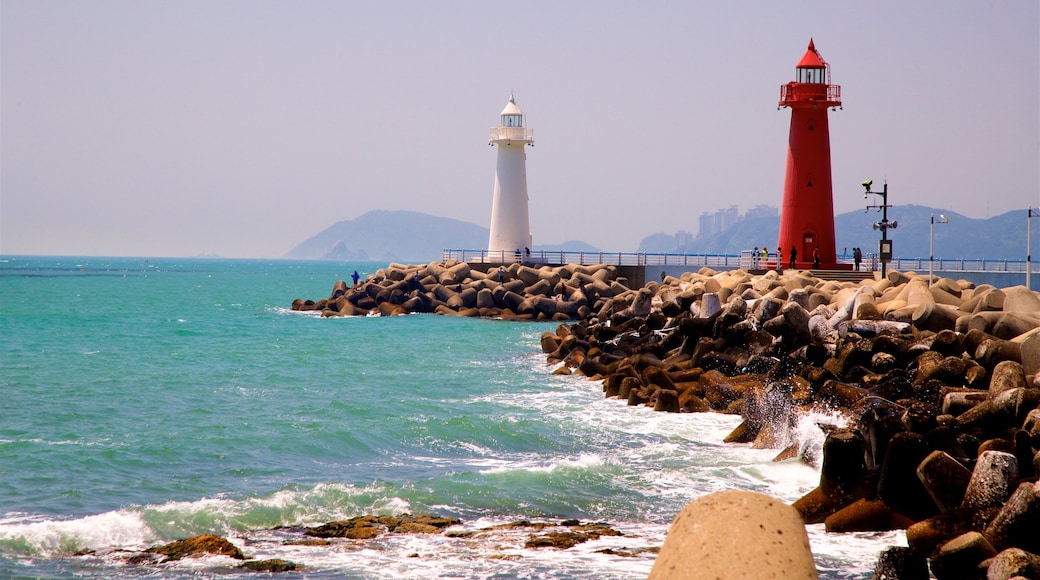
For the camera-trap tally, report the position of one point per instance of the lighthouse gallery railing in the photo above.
(511, 134)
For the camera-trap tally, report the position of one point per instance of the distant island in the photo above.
(403, 236)
(408, 236)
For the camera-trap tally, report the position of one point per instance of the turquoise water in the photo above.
(150, 400)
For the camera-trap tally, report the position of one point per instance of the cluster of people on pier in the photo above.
(760, 258)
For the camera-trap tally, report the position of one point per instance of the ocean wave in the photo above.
(272, 527)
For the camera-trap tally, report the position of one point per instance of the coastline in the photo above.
(939, 387)
(938, 383)
(448, 416)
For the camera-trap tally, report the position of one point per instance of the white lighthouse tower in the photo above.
(510, 226)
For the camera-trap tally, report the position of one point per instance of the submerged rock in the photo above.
(371, 526)
(272, 565)
(198, 546)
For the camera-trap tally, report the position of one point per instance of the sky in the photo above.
(241, 128)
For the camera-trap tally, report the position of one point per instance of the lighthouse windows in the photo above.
(812, 75)
(512, 121)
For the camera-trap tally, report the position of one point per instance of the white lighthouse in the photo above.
(510, 226)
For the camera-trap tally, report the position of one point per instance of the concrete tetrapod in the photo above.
(735, 534)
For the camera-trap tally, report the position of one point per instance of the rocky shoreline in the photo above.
(937, 384)
(374, 532)
(515, 292)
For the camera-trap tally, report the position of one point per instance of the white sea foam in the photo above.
(99, 533)
(583, 461)
(482, 553)
(141, 527)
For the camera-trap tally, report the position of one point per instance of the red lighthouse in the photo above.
(807, 214)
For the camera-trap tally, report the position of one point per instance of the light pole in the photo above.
(931, 244)
(1032, 213)
(885, 248)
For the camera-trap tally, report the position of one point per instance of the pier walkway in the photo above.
(642, 266)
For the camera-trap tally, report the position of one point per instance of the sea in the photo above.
(146, 400)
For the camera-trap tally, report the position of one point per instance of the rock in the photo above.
(917, 293)
(735, 534)
(549, 342)
(272, 565)
(843, 464)
(945, 479)
(898, 484)
(1007, 375)
(957, 402)
(1030, 350)
(1014, 563)
(992, 481)
(962, 557)
(935, 317)
(574, 535)
(199, 545)
(1014, 405)
(338, 289)
(369, 526)
(1015, 526)
(816, 506)
(865, 515)
(901, 563)
(1003, 325)
(1021, 300)
(668, 401)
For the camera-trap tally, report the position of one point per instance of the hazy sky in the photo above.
(241, 128)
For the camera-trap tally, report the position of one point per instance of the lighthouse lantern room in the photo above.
(510, 226)
(807, 212)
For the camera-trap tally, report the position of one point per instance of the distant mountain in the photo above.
(393, 236)
(403, 236)
(413, 237)
(745, 234)
(569, 246)
(1001, 237)
(661, 243)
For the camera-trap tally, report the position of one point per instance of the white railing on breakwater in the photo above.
(588, 258)
(959, 265)
(744, 260)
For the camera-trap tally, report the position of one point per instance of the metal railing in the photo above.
(588, 258)
(501, 133)
(960, 265)
(745, 260)
(794, 92)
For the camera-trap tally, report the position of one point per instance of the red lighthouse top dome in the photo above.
(812, 85)
(812, 58)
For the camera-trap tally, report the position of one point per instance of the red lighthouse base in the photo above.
(807, 213)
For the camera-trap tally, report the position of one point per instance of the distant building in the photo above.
(762, 211)
(726, 218)
(711, 224)
(683, 238)
(706, 225)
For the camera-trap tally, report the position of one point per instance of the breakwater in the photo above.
(515, 291)
(936, 384)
